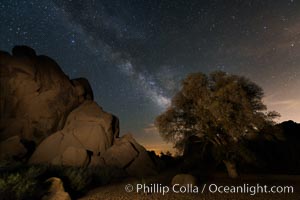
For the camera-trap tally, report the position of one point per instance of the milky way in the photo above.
(135, 53)
(122, 61)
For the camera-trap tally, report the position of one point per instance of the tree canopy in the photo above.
(219, 108)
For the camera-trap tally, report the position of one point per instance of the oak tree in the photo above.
(222, 110)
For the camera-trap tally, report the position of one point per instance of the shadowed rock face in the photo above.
(90, 139)
(36, 96)
(12, 147)
(41, 107)
(83, 89)
(87, 129)
(184, 179)
(56, 190)
(126, 153)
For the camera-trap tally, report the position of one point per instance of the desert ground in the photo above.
(117, 190)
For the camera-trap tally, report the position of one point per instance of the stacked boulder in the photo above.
(126, 153)
(88, 132)
(51, 119)
(36, 96)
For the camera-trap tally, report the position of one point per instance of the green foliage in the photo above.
(78, 179)
(21, 183)
(9, 164)
(221, 109)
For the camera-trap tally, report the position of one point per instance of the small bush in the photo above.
(21, 184)
(76, 179)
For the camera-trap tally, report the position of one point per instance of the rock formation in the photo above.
(56, 190)
(12, 147)
(44, 113)
(126, 153)
(184, 179)
(36, 96)
(88, 131)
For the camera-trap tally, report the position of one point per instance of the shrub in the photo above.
(76, 179)
(21, 184)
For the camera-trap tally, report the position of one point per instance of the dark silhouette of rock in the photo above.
(23, 51)
(279, 155)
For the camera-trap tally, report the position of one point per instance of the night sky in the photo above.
(135, 53)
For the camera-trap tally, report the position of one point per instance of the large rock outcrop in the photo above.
(88, 131)
(54, 120)
(36, 96)
(126, 153)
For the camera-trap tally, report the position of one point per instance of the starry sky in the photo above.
(136, 52)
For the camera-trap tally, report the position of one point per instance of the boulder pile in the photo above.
(46, 118)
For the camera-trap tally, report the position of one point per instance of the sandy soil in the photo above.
(117, 190)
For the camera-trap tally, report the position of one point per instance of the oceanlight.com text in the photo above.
(157, 188)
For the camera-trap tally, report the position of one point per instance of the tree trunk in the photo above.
(231, 168)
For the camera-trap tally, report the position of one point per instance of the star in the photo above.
(136, 54)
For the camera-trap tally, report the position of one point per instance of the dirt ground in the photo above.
(117, 190)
